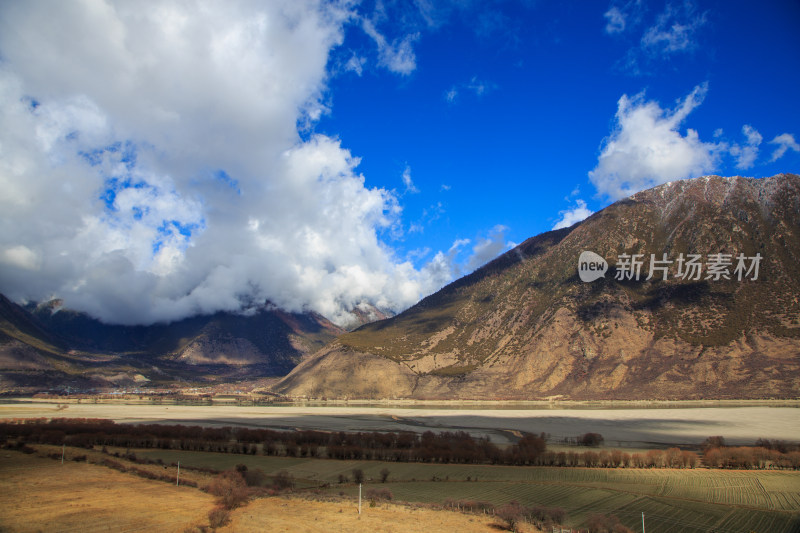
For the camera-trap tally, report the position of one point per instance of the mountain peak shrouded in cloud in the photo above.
(152, 166)
(164, 160)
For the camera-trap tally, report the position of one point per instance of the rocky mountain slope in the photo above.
(525, 326)
(44, 346)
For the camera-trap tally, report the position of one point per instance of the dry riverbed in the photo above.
(626, 427)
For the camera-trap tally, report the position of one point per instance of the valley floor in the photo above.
(40, 494)
(621, 427)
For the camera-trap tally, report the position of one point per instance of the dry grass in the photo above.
(307, 516)
(38, 494)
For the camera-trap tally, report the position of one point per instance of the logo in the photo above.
(591, 267)
(716, 267)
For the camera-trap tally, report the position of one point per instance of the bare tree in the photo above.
(512, 514)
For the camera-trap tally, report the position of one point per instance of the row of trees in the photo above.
(765, 454)
(446, 447)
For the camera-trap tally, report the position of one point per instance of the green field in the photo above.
(672, 500)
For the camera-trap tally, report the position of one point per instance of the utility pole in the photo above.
(642, 521)
(359, 499)
(178, 477)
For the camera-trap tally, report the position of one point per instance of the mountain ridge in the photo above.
(525, 327)
(45, 346)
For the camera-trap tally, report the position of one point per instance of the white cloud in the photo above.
(397, 56)
(785, 141)
(486, 249)
(572, 215)
(746, 155)
(647, 147)
(616, 20)
(622, 16)
(20, 256)
(474, 85)
(355, 64)
(152, 168)
(479, 87)
(675, 29)
(408, 183)
(400, 57)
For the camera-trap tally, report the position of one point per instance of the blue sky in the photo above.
(534, 95)
(160, 160)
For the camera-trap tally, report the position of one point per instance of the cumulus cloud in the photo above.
(785, 141)
(152, 168)
(20, 256)
(572, 215)
(647, 148)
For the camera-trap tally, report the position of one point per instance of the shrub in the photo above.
(384, 475)
(379, 495)
(255, 478)
(283, 480)
(545, 515)
(358, 475)
(230, 489)
(511, 514)
(591, 439)
(713, 442)
(599, 523)
(218, 516)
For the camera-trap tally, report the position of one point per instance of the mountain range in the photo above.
(46, 346)
(688, 290)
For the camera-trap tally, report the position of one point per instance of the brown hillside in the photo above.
(525, 326)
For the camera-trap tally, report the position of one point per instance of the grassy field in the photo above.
(299, 515)
(39, 494)
(698, 500)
